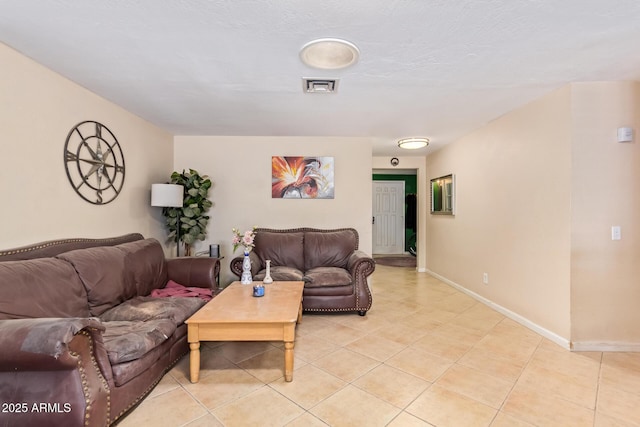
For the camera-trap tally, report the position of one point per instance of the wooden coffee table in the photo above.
(236, 315)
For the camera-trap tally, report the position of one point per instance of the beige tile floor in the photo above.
(425, 355)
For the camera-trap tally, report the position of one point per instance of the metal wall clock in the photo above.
(94, 162)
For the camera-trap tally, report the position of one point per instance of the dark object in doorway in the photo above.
(410, 219)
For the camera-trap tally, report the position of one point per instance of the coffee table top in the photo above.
(236, 304)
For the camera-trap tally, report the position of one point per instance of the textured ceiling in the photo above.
(434, 68)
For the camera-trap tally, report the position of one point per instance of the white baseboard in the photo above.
(605, 346)
(562, 342)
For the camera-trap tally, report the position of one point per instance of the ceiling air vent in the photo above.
(319, 85)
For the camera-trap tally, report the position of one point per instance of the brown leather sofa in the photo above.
(328, 261)
(81, 341)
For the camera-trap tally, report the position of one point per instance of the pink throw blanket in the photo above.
(174, 289)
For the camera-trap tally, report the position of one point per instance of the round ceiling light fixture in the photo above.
(329, 54)
(413, 143)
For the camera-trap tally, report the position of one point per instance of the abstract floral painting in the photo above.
(302, 177)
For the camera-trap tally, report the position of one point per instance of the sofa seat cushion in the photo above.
(321, 277)
(142, 309)
(45, 287)
(126, 371)
(130, 340)
(170, 350)
(282, 273)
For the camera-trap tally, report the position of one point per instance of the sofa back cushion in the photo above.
(283, 249)
(145, 263)
(329, 248)
(115, 274)
(45, 287)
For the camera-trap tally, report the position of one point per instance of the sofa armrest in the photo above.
(236, 264)
(360, 264)
(41, 344)
(55, 361)
(201, 272)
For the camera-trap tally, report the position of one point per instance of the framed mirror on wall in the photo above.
(443, 195)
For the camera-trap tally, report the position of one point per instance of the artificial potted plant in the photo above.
(191, 216)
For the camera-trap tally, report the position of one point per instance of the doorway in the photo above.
(413, 175)
(409, 210)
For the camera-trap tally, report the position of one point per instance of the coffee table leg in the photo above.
(194, 361)
(288, 361)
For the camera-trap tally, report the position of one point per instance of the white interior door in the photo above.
(388, 217)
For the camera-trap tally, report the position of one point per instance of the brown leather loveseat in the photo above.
(81, 341)
(328, 261)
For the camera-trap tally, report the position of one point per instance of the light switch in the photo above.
(625, 134)
(615, 232)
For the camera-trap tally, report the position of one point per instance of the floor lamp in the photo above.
(169, 196)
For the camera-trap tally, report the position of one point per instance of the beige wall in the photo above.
(512, 214)
(240, 168)
(38, 108)
(605, 284)
(538, 191)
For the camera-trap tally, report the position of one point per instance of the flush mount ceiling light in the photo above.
(413, 143)
(329, 54)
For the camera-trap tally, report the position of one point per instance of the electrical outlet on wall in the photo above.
(485, 278)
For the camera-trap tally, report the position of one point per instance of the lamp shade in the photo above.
(167, 195)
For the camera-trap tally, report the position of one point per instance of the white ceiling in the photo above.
(434, 68)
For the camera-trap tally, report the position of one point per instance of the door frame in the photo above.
(417, 165)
